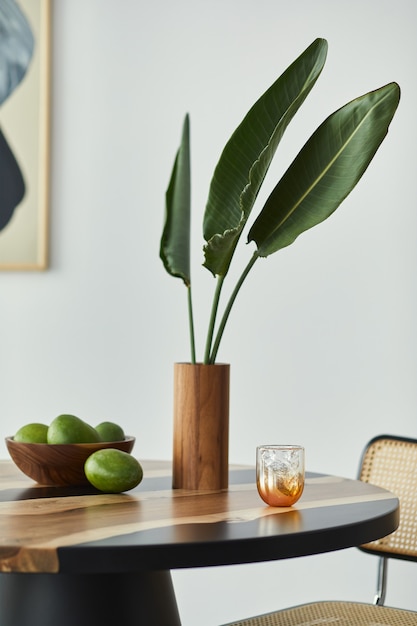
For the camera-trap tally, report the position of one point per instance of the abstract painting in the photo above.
(24, 133)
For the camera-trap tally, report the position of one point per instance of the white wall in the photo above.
(322, 341)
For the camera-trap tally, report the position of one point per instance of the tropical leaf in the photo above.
(326, 169)
(175, 240)
(246, 157)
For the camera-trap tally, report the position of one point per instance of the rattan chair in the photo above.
(389, 462)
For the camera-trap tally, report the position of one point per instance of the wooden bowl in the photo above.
(59, 464)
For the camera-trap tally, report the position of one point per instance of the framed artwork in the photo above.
(25, 27)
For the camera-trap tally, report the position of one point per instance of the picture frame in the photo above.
(25, 125)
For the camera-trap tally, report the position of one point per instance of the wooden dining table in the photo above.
(75, 557)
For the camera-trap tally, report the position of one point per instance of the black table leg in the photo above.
(134, 599)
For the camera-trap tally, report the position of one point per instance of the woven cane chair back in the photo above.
(391, 462)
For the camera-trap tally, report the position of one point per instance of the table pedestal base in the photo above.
(145, 599)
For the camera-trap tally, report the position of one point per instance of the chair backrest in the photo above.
(391, 462)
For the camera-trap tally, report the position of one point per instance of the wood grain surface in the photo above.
(44, 527)
(201, 426)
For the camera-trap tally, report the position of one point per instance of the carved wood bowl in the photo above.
(59, 464)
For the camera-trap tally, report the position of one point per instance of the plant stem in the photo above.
(228, 308)
(191, 323)
(212, 321)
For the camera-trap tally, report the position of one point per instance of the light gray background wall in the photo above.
(322, 341)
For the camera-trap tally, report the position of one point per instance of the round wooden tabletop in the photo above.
(78, 530)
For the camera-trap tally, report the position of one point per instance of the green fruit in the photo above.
(109, 431)
(32, 433)
(71, 429)
(113, 471)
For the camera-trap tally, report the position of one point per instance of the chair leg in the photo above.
(382, 581)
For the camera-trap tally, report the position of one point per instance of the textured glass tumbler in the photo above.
(280, 474)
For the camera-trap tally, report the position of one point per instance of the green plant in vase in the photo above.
(323, 173)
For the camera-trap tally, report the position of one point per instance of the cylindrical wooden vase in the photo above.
(201, 426)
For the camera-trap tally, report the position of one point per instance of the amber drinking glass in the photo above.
(280, 474)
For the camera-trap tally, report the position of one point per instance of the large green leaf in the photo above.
(246, 157)
(326, 170)
(175, 241)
